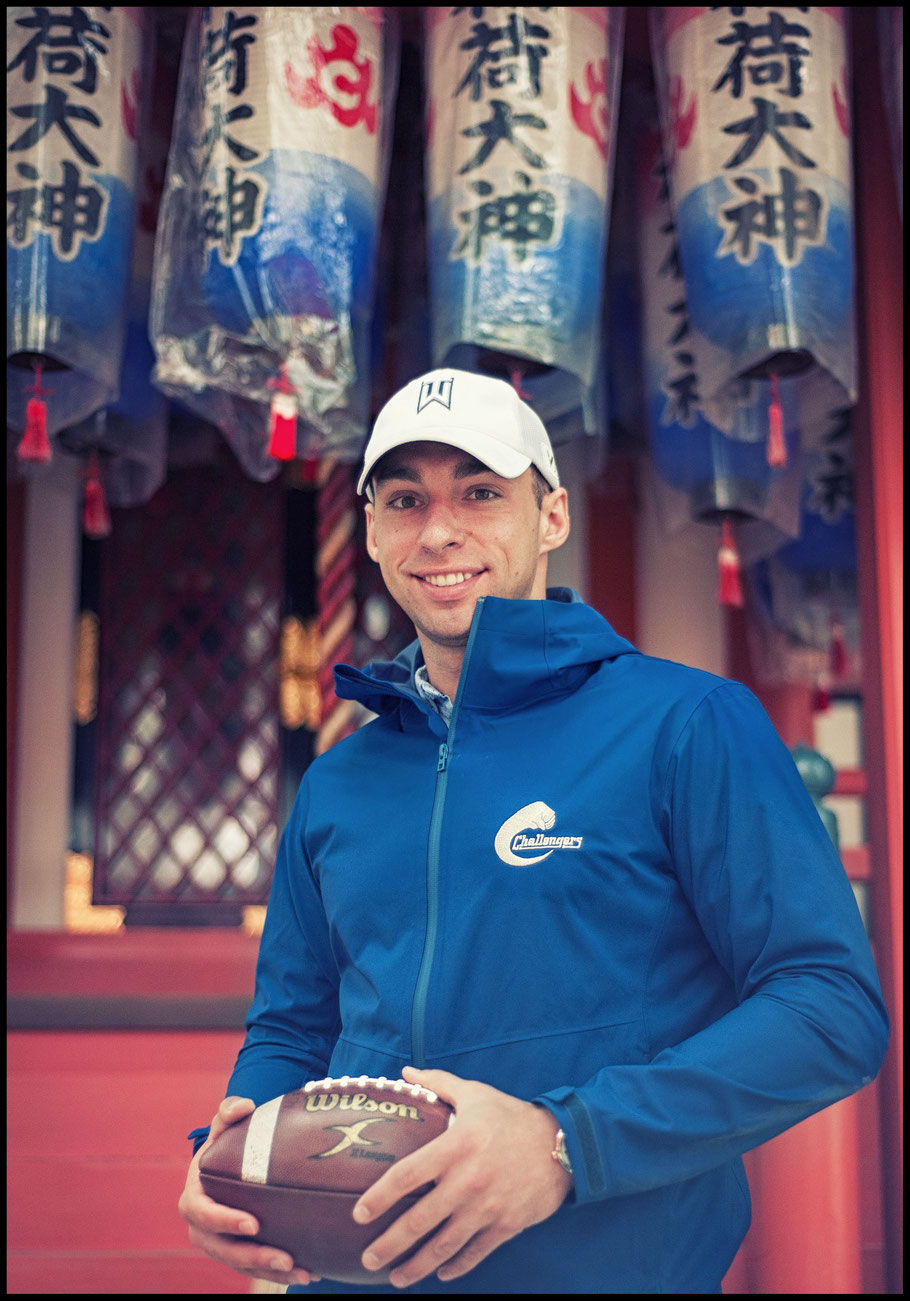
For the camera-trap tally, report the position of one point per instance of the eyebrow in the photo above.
(401, 470)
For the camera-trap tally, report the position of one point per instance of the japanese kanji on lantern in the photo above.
(702, 473)
(266, 247)
(756, 121)
(521, 123)
(73, 95)
(126, 442)
(805, 599)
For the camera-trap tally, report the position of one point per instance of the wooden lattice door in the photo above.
(187, 739)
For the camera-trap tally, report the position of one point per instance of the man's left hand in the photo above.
(494, 1175)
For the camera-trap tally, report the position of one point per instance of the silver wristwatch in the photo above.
(560, 1152)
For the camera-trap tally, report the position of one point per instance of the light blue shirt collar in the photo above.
(438, 699)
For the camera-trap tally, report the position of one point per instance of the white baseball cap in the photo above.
(476, 413)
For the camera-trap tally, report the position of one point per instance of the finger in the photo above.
(454, 1250)
(448, 1086)
(230, 1110)
(411, 1226)
(250, 1258)
(407, 1175)
(474, 1251)
(209, 1216)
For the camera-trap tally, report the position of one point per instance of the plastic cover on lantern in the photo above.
(131, 434)
(266, 247)
(521, 109)
(805, 597)
(73, 95)
(703, 473)
(755, 114)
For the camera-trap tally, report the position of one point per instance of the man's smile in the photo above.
(450, 578)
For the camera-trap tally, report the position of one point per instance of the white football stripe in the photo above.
(257, 1150)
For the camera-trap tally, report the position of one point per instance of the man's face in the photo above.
(445, 530)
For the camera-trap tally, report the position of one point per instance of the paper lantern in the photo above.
(756, 122)
(126, 442)
(707, 475)
(521, 107)
(74, 93)
(265, 258)
(806, 592)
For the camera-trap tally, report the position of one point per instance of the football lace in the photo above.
(380, 1082)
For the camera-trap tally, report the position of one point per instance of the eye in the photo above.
(483, 494)
(402, 501)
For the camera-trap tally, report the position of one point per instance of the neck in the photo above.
(443, 665)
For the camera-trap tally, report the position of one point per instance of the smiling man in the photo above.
(579, 892)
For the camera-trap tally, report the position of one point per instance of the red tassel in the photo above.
(838, 647)
(821, 698)
(35, 444)
(777, 444)
(516, 376)
(96, 519)
(309, 471)
(283, 420)
(730, 588)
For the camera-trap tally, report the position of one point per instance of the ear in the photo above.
(372, 549)
(554, 520)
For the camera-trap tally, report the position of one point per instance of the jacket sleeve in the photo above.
(293, 1022)
(771, 896)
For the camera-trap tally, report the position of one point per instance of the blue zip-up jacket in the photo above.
(603, 888)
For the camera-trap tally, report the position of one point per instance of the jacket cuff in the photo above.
(589, 1178)
(198, 1137)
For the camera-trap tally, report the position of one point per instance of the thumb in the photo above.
(449, 1087)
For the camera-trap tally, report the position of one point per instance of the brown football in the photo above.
(300, 1162)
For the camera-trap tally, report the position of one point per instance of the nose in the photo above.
(440, 527)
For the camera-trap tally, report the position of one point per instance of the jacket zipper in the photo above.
(419, 1007)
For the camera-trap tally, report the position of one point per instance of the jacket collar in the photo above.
(518, 652)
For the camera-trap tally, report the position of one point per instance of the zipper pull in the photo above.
(443, 758)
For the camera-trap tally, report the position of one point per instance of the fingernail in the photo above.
(361, 1214)
(371, 1261)
(246, 1226)
(281, 1264)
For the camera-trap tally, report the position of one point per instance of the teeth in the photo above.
(446, 580)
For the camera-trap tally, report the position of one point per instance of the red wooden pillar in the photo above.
(612, 511)
(879, 512)
(808, 1193)
(15, 532)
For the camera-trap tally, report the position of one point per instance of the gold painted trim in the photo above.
(300, 700)
(85, 689)
(80, 916)
(253, 919)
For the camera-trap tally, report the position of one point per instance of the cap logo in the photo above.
(439, 390)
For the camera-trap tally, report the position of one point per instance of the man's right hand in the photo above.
(213, 1226)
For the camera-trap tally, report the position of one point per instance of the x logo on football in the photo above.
(351, 1136)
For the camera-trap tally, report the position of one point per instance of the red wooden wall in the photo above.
(97, 1158)
(98, 1115)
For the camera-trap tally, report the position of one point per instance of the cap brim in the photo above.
(501, 459)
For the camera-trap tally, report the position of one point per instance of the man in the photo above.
(584, 892)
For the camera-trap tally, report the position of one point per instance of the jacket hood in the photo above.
(517, 652)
